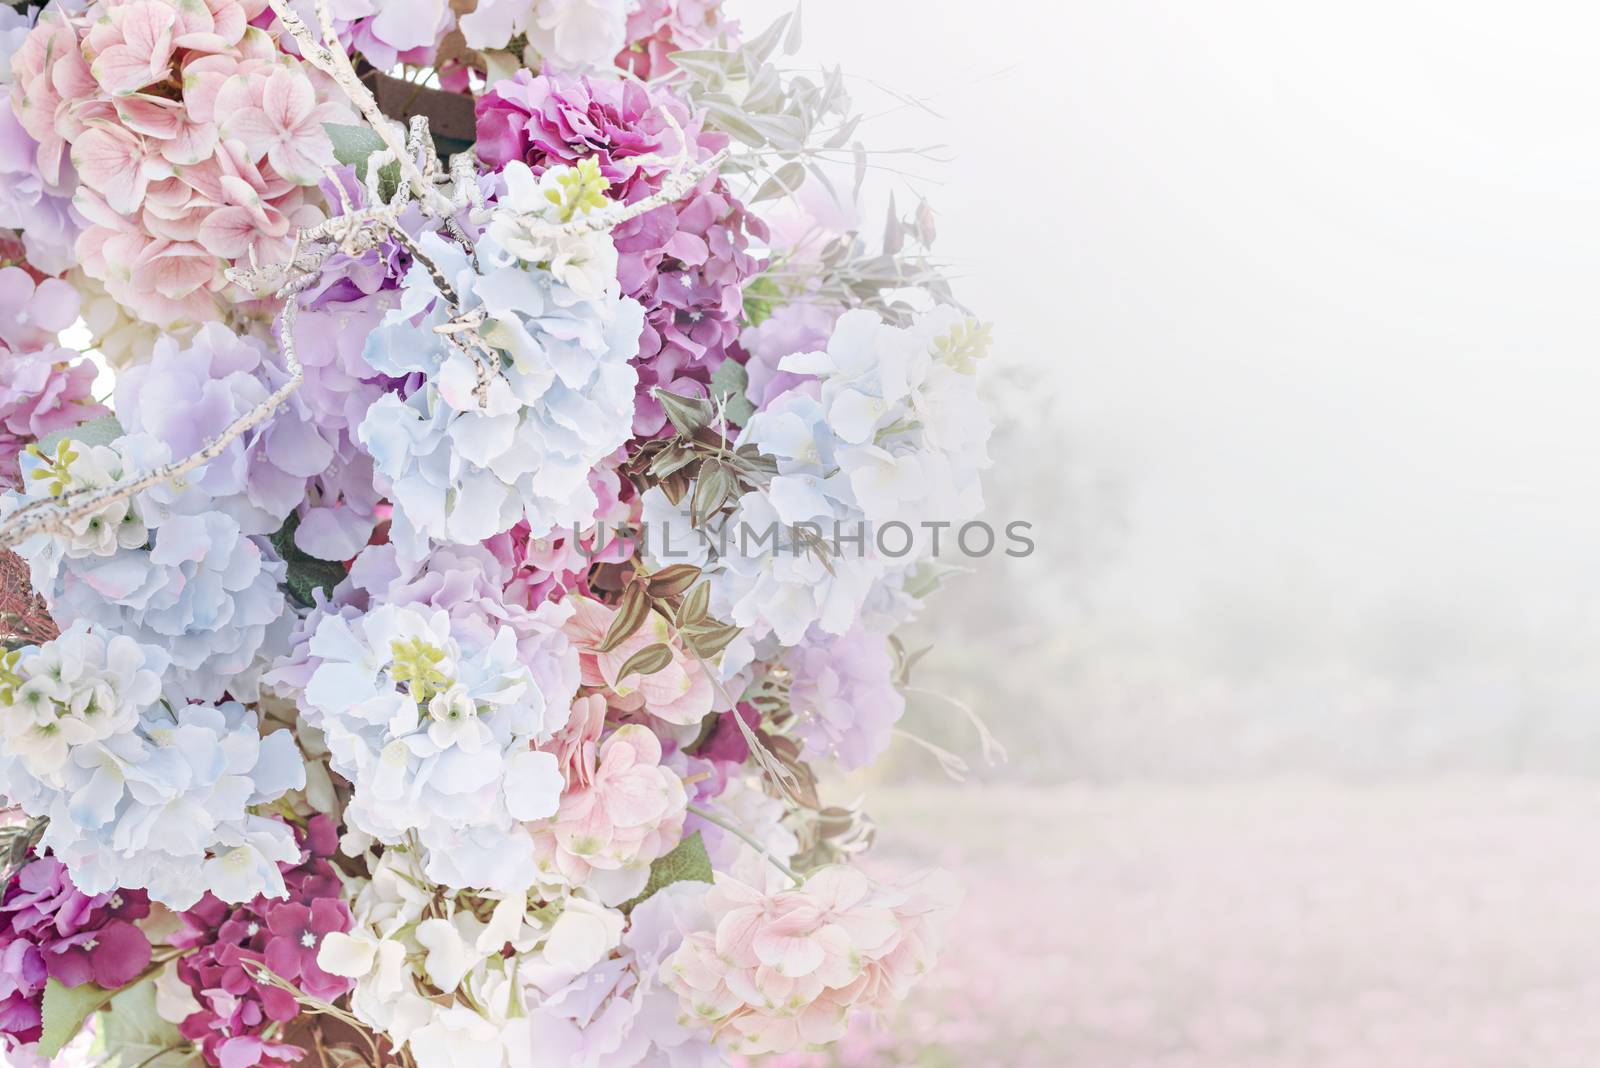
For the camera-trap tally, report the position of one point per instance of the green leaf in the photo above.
(647, 661)
(712, 488)
(695, 606)
(672, 580)
(786, 180)
(102, 431)
(729, 382)
(353, 144)
(761, 295)
(689, 415)
(686, 863)
(136, 1037)
(65, 1009)
(307, 573)
(631, 614)
(709, 638)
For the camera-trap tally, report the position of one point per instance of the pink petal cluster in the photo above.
(43, 387)
(783, 971)
(659, 28)
(685, 262)
(49, 929)
(679, 693)
(193, 138)
(621, 810)
(237, 1013)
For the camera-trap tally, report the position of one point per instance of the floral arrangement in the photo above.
(436, 581)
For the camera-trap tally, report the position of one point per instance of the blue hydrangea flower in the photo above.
(434, 725)
(201, 591)
(465, 464)
(166, 805)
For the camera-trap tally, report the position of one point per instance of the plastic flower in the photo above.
(782, 971)
(76, 466)
(792, 328)
(40, 208)
(627, 812)
(41, 391)
(680, 693)
(191, 137)
(388, 32)
(82, 686)
(166, 805)
(440, 972)
(478, 448)
(49, 929)
(843, 691)
(43, 387)
(658, 28)
(234, 1008)
(283, 122)
(433, 725)
(685, 262)
(620, 1013)
(201, 591)
(910, 434)
(562, 35)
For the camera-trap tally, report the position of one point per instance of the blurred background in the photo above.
(1296, 369)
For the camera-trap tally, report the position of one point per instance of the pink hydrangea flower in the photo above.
(43, 387)
(621, 811)
(679, 693)
(784, 971)
(658, 28)
(236, 1013)
(192, 137)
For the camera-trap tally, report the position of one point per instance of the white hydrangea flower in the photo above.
(908, 431)
(434, 727)
(524, 223)
(80, 687)
(71, 466)
(890, 434)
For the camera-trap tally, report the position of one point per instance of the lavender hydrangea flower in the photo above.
(791, 328)
(844, 695)
(43, 387)
(165, 806)
(187, 395)
(619, 1013)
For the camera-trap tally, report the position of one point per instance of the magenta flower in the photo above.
(297, 932)
(49, 929)
(228, 942)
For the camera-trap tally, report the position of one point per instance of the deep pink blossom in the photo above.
(49, 929)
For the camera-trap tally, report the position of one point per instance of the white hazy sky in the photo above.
(1318, 286)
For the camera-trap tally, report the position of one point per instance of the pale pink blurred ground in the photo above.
(1451, 923)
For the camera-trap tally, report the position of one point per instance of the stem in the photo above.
(748, 839)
